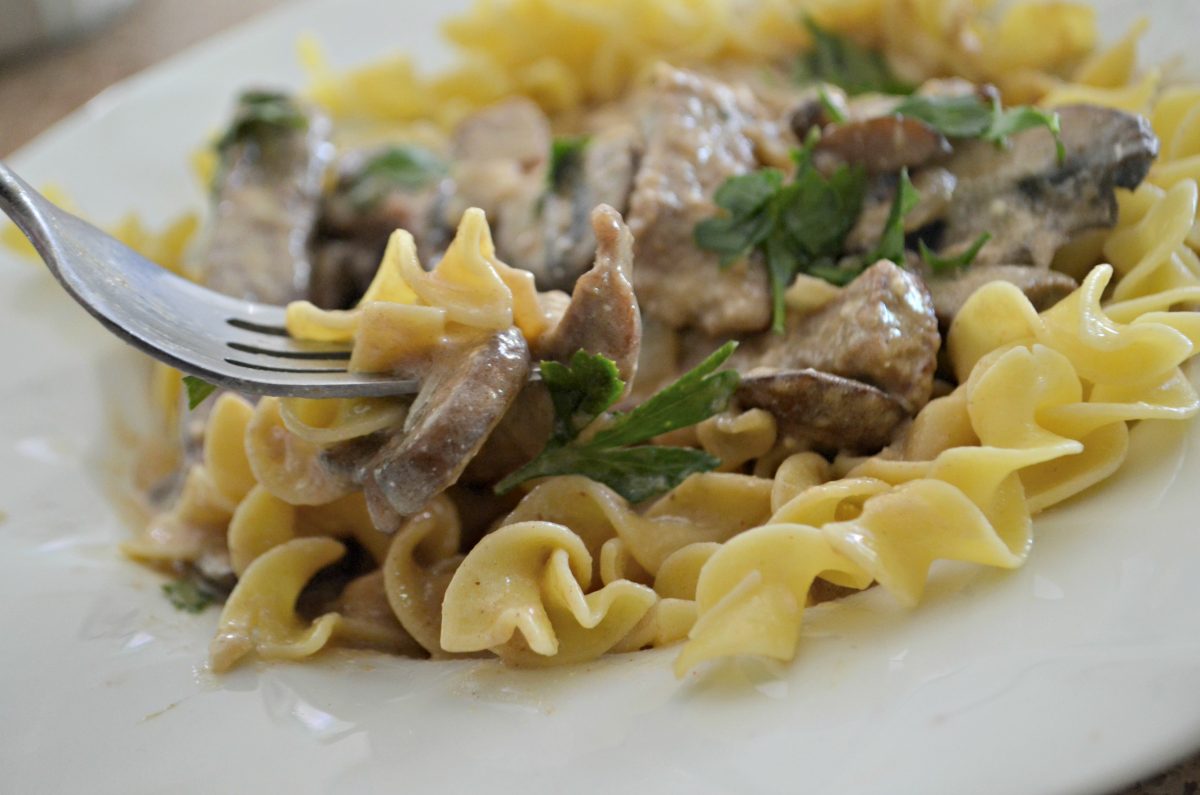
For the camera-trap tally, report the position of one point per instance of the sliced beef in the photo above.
(499, 156)
(265, 198)
(936, 188)
(1029, 201)
(827, 411)
(603, 315)
(514, 130)
(1043, 288)
(698, 132)
(880, 330)
(377, 191)
(547, 229)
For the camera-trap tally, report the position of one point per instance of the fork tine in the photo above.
(237, 344)
(321, 366)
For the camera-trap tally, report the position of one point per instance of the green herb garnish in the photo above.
(970, 117)
(941, 265)
(187, 595)
(799, 227)
(615, 455)
(197, 390)
(838, 60)
(891, 242)
(831, 108)
(404, 167)
(260, 113)
(566, 160)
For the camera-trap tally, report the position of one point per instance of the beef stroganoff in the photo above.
(720, 310)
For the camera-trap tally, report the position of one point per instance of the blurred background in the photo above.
(55, 55)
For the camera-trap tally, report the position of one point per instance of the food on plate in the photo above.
(718, 312)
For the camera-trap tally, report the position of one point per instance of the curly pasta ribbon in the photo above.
(419, 566)
(707, 507)
(1047, 398)
(469, 287)
(528, 579)
(567, 54)
(260, 615)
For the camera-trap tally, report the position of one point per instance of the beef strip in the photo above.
(547, 229)
(499, 156)
(360, 214)
(1032, 204)
(698, 132)
(1043, 288)
(880, 330)
(603, 314)
(265, 198)
(827, 411)
(936, 188)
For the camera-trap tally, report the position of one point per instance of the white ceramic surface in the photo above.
(1076, 674)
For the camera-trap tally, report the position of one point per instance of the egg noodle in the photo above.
(725, 563)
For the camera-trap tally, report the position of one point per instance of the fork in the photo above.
(240, 345)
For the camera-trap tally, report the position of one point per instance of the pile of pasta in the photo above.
(726, 563)
(568, 53)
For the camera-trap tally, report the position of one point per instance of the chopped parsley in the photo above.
(404, 167)
(615, 455)
(799, 227)
(970, 117)
(838, 60)
(188, 595)
(940, 265)
(262, 112)
(198, 390)
(566, 160)
(891, 242)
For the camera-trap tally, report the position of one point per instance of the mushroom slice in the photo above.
(884, 144)
(829, 411)
(1043, 288)
(466, 393)
(603, 315)
(935, 187)
(1030, 202)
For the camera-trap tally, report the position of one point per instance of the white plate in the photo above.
(1078, 673)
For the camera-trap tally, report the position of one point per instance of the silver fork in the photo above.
(236, 344)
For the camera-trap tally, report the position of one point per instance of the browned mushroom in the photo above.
(828, 411)
(884, 144)
(1043, 288)
(1029, 201)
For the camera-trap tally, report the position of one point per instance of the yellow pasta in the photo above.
(726, 562)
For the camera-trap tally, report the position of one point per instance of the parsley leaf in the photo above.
(188, 595)
(838, 60)
(891, 242)
(941, 265)
(581, 392)
(589, 385)
(799, 226)
(748, 219)
(260, 113)
(1014, 120)
(197, 390)
(406, 167)
(970, 117)
(566, 159)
